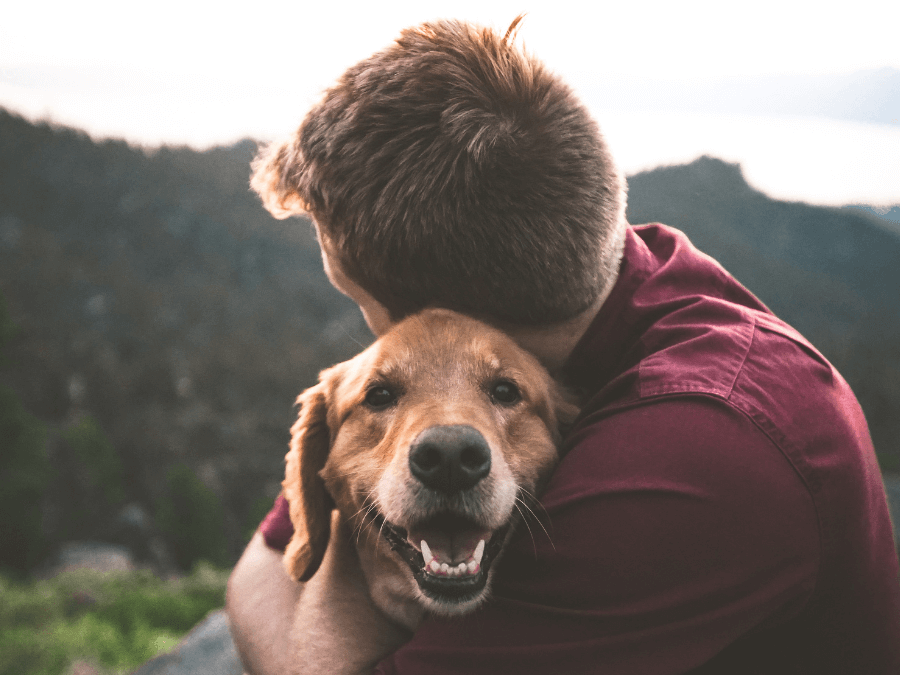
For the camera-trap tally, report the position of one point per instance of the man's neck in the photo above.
(553, 344)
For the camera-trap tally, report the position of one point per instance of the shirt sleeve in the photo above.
(276, 527)
(668, 531)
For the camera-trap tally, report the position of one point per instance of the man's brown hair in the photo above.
(452, 169)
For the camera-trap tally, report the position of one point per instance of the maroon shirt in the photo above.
(718, 509)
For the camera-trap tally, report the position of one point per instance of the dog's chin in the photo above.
(454, 579)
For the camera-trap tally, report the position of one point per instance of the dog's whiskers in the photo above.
(537, 520)
(370, 499)
(367, 508)
(530, 533)
(381, 529)
(526, 495)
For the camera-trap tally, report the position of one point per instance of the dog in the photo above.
(431, 445)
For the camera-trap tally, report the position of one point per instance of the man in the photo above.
(718, 507)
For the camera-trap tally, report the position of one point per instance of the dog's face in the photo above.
(429, 442)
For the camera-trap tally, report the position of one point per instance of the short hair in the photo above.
(453, 169)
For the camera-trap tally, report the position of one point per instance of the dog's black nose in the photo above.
(450, 458)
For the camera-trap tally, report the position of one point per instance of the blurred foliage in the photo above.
(7, 329)
(192, 518)
(119, 620)
(158, 302)
(889, 461)
(99, 458)
(24, 472)
(259, 509)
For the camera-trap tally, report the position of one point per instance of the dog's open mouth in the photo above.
(449, 555)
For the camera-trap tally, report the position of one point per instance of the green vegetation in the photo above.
(7, 328)
(889, 462)
(116, 620)
(192, 518)
(159, 302)
(25, 470)
(259, 509)
(26, 474)
(157, 296)
(99, 458)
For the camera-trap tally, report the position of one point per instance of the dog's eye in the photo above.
(379, 397)
(505, 392)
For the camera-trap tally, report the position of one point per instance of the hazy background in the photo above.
(805, 96)
(165, 322)
(156, 324)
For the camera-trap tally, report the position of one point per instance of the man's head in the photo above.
(452, 169)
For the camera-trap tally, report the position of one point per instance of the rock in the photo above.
(135, 529)
(85, 668)
(207, 650)
(93, 555)
(135, 517)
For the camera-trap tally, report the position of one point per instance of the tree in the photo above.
(192, 519)
(24, 473)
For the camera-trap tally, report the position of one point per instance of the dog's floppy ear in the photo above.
(310, 504)
(566, 405)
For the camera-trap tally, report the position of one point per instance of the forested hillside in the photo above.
(162, 310)
(166, 324)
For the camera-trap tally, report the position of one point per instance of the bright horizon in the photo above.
(202, 74)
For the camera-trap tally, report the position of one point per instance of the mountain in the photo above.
(167, 323)
(887, 217)
(154, 294)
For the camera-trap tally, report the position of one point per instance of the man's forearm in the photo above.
(328, 625)
(261, 603)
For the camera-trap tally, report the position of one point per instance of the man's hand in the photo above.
(328, 625)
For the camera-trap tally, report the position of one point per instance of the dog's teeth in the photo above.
(447, 570)
(469, 567)
(479, 552)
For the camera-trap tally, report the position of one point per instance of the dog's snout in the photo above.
(450, 458)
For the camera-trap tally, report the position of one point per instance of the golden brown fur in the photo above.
(444, 371)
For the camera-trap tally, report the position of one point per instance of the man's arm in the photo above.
(673, 531)
(261, 603)
(327, 625)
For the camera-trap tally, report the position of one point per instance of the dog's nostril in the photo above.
(450, 458)
(428, 458)
(473, 458)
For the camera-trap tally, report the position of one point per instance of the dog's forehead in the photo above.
(448, 343)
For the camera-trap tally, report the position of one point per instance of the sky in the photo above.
(207, 73)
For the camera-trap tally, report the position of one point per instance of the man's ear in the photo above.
(310, 503)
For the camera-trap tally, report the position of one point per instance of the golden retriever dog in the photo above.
(431, 445)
